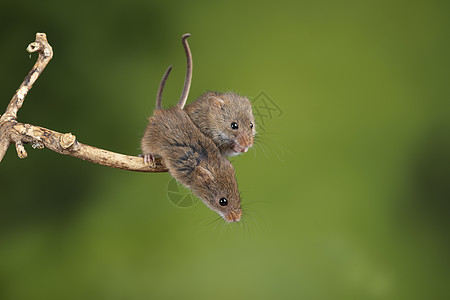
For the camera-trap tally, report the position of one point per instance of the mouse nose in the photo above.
(245, 142)
(234, 215)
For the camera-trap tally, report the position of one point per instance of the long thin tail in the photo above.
(188, 78)
(161, 88)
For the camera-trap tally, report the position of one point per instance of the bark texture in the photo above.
(14, 132)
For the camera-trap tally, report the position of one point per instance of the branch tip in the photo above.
(12, 131)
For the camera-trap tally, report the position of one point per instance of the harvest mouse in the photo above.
(191, 157)
(226, 118)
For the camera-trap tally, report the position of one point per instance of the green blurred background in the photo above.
(347, 192)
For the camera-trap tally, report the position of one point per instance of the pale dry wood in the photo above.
(45, 55)
(4, 144)
(12, 131)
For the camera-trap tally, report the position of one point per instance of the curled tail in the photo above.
(161, 88)
(188, 78)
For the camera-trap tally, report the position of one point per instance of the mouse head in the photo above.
(231, 121)
(217, 187)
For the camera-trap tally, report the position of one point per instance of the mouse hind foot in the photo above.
(149, 160)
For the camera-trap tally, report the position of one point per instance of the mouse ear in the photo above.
(217, 101)
(203, 174)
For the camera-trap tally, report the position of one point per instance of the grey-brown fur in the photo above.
(213, 114)
(193, 159)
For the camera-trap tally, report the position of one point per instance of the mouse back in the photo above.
(194, 160)
(191, 157)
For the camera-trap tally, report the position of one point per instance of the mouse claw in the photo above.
(149, 160)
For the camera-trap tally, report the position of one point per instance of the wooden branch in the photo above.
(45, 55)
(12, 131)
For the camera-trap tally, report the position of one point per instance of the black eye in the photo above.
(251, 125)
(223, 201)
(234, 125)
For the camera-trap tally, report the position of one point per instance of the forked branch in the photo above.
(12, 131)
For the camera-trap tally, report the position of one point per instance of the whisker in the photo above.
(262, 149)
(265, 145)
(220, 221)
(206, 221)
(254, 153)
